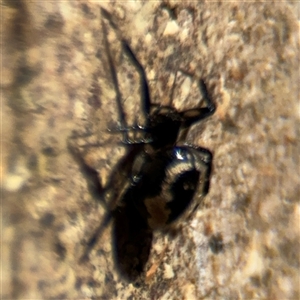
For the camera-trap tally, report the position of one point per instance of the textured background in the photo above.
(243, 243)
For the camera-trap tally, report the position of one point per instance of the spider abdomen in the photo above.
(164, 184)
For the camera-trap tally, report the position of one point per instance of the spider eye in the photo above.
(183, 190)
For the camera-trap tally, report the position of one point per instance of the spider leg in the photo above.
(114, 79)
(144, 88)
(145, 95)
(95, 237)
(194, 115)
(135, 129)
(172, 90)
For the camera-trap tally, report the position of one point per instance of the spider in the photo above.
(160, 174)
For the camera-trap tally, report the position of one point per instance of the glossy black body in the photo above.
(161, 174)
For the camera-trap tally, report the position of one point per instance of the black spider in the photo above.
(160, 174)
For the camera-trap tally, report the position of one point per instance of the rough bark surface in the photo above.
(243, 243)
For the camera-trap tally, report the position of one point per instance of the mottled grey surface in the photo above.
(243, 243)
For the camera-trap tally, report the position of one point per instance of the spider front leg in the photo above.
(136, 129)
(194, 115)
(144, 88)
(145, 99)
(114, 76)
(191, 116)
